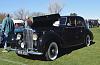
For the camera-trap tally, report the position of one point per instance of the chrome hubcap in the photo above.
(88, 40)
(53, 51)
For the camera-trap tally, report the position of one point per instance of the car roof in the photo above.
(73, 16)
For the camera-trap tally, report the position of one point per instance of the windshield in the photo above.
(19, 25)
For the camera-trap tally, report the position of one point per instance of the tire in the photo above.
(17, 53)
(88, 40)
(52, 51)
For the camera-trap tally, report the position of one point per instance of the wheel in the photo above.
(17, 53)
(52, 51)
(88, 40)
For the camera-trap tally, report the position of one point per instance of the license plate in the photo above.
(22, 53)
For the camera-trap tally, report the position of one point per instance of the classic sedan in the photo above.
(42, 38)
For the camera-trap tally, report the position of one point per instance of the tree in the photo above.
(21, 14)
(2, 16)
(37, 14)
(55, 7)
(73, 14)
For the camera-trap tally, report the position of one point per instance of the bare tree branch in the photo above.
(37, 14)
(2, 16)
(21, 14)
(55, 7)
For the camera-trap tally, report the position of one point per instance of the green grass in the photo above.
(84, 56)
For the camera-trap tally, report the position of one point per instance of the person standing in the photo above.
(28, 22)
(8, 30)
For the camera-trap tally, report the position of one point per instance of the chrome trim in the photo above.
(35, 53)
(22, 52)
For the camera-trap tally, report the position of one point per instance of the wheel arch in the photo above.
(90, 34)
(51, 36)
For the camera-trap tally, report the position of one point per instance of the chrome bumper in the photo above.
(23, 52)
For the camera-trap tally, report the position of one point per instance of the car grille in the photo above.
(28, 38)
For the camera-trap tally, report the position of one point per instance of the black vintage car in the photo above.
(43, 38)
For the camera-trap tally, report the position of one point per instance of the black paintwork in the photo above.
(45, 21)
(65, 35)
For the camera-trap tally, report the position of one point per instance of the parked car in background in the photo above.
(43, 38)
(1, 35)
(18, 23)
(99, 22)
(93, 23)
(19, 27)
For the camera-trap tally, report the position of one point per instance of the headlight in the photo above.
(22, 45)
(12, 39)
(35, 37)
(18, 36)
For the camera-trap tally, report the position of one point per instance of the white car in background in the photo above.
(18, 23)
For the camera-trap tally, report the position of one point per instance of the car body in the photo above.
(42, 38)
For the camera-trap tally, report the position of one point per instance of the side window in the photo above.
(79, 22)
(63, 21)
(71, 21)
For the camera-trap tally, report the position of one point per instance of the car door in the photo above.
(69, 30)
(79, 33)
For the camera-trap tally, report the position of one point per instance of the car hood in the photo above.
(45, 21)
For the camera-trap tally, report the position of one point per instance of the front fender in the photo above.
(45, 39)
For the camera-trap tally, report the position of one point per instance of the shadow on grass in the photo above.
(62, 52)
(33, 57)
(70, 49)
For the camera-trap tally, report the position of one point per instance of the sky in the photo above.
(86, 8)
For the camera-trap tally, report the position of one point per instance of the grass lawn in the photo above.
(84, 56)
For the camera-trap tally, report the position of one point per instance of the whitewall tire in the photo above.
(52, 51)
(88, 40)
